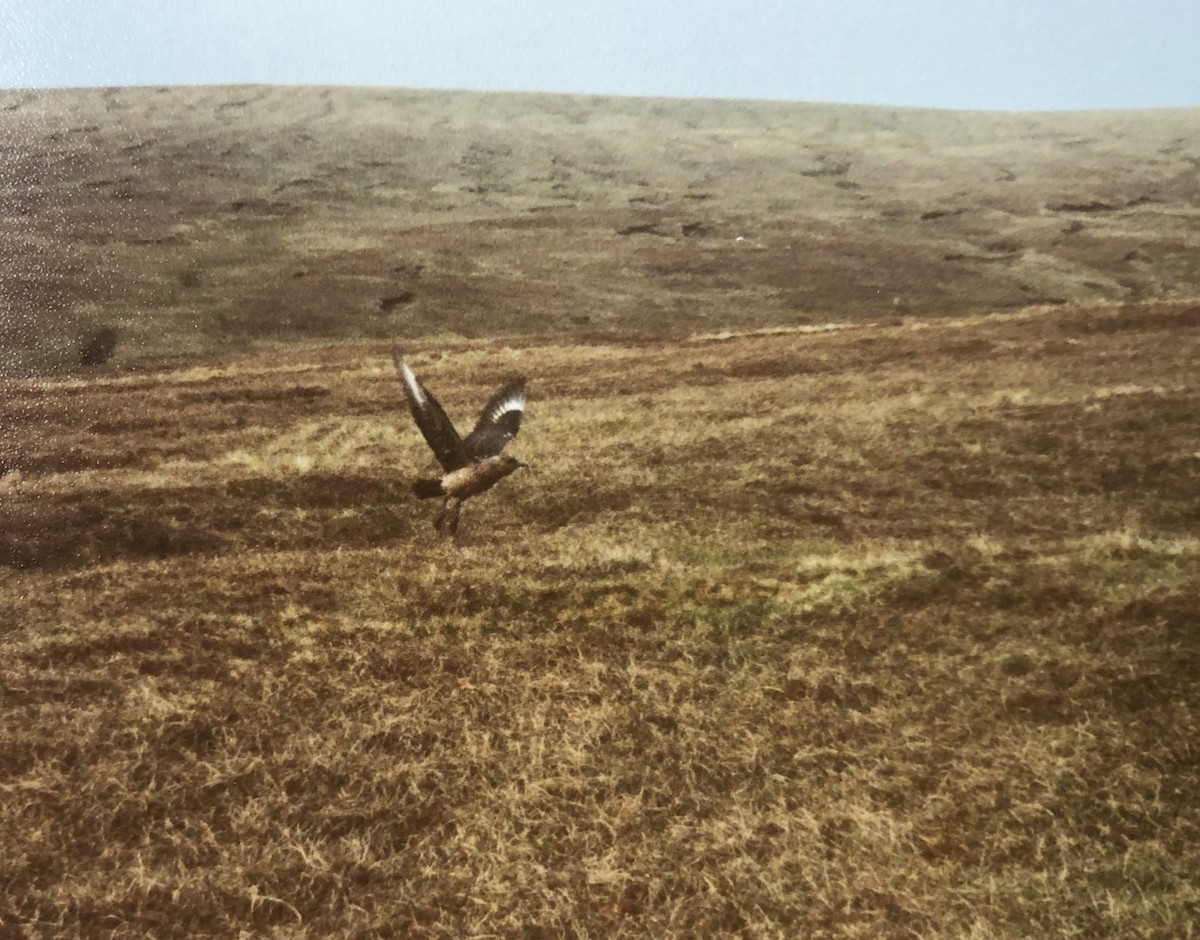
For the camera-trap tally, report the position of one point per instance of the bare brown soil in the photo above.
(875, 630)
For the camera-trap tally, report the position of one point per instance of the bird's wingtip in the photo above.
(409, 378)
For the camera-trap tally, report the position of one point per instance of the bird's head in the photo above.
(509, 463)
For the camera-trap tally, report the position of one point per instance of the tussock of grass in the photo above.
(821, 636)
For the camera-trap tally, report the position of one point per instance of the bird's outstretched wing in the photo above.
(436, 428)
(498, 422)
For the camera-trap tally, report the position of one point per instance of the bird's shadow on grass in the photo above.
(300, 512)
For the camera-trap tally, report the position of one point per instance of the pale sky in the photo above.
(993, 54)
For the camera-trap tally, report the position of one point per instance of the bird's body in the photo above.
(478, 477)
(474, 464)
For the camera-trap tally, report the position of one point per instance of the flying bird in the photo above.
(472, 464)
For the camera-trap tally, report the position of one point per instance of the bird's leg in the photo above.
(441, 516)
(454, 517)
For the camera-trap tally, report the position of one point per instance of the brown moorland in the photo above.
(873, 622)
(879, 631)
(205, 221)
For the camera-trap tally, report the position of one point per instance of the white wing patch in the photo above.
(410, 381)
(512, 403)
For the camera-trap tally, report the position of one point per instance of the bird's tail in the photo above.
(427, 489)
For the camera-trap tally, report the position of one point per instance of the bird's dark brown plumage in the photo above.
(474, 464)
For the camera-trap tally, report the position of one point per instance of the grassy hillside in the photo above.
(852, 592)
(876, 630)
(200, 222)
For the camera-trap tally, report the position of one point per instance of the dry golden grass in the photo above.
(887, 631)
